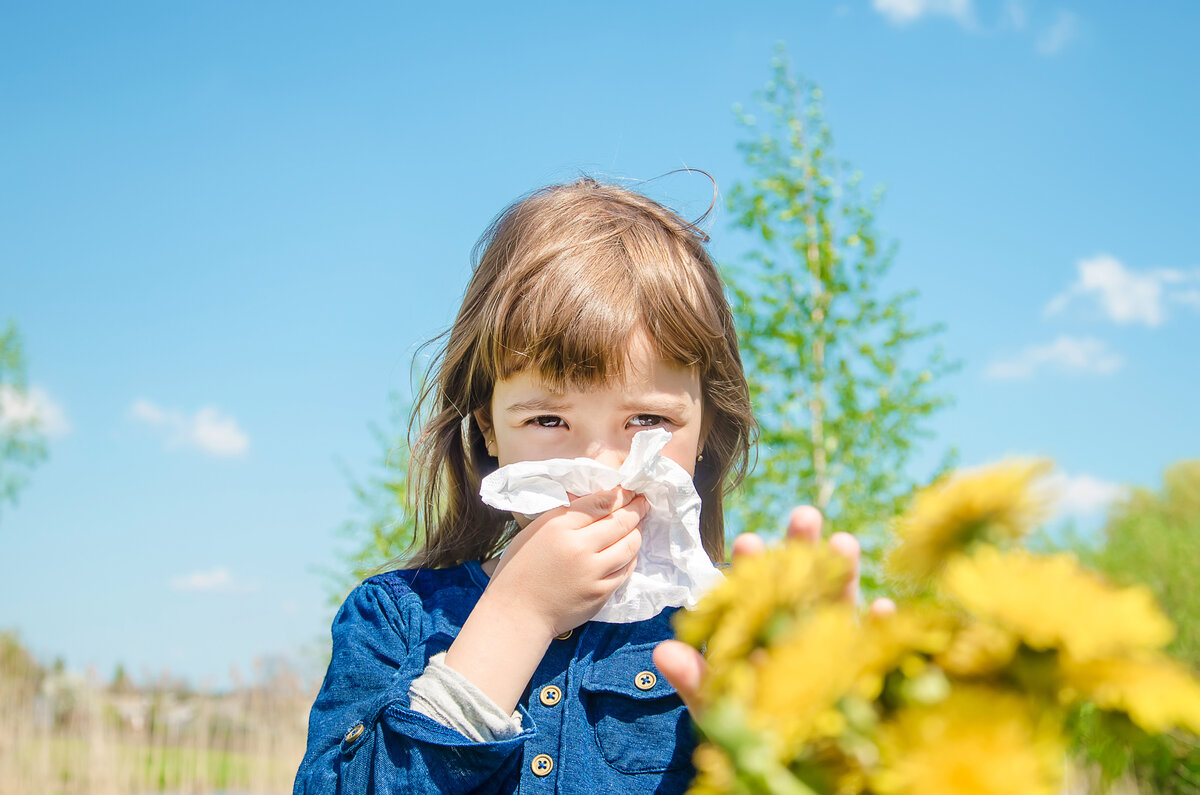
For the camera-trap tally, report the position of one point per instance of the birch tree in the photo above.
(22, 442)
(841, 378)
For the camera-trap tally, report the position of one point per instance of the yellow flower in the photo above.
(714, 771)
(800, 680)
(978, 741)
(978, 649)
(1156, 693)
(759, 600)
(890, 640)
(1052, 603)
(992, 504)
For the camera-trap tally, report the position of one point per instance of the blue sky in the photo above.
(225, 227)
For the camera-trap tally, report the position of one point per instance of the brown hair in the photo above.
(563, 279)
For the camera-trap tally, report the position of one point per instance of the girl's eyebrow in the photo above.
(537, 404)
(665, 405)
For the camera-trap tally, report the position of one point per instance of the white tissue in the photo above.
(672, 569)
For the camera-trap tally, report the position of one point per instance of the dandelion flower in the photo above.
(1156, 693)
(891, 641)
(991, 504)
(978, 649)
(1052, 603)
(979, 741)
(714, 771)
(801, 679)
(760, 598)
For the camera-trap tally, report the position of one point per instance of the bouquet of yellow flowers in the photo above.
(970, 686)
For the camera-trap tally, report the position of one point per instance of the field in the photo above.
(65, 734)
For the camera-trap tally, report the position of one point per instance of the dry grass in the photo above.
(68, 734)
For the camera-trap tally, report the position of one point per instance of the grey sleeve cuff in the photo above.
(448, 697)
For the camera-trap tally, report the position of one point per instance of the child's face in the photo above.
(530, 422)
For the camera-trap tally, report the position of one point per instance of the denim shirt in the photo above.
(596, 716)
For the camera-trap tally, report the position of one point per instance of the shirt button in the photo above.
(645, 680)
(541, 765)
(565, 635)
(354, 733)
(550, 695)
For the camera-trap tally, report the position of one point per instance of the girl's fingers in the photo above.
(616, 526)
(748, 544)
(683, 667)
(882, 607)
(847, 546)
(621, 572)
(617, 556)
(804, 524)
(594, 507)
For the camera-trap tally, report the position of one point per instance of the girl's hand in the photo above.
(684, 667)
(560, 570)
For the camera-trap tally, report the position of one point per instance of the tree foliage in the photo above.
(382, 529)
(22, 443)
(838, 387)
(1154, 538)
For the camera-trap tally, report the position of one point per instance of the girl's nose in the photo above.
(607, 454)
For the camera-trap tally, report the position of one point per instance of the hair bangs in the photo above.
(572, 316)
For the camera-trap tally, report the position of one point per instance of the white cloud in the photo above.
(901, 12)
(1083, 494)
(1187, 298)
(216, 580)
(1128, 296)
(147, 412)
(31, 408)
(1065, 354)
(1061, 32)
(207, 429)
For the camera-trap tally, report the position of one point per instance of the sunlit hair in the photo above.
(563, 280)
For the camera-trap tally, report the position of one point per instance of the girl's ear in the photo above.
(483, 418)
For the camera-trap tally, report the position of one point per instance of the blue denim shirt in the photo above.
(617, 725)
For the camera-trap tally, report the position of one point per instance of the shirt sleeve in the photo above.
(451, 699)
(363, 735)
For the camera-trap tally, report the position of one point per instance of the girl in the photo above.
(593, 313)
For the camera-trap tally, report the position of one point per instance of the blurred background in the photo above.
(225, 229)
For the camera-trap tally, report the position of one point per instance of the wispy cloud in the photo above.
(31, 408)
(1083, 494)
(207, 429)
(902, 12)
(216, 580)
(1014, 16)
(1050, 34)
(1065, 354)
(1190, 298)
(1127, 296)
(1058, 34)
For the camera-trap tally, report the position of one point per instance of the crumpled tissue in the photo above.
(672, 569)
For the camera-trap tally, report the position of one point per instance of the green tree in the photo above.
(22, 443)
(382, 528)
(840, 381)
(1154, 538)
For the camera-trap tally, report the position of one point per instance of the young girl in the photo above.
(593, 313)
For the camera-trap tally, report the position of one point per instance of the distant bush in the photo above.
(1154, 538)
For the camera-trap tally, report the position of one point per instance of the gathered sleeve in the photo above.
(362, 734)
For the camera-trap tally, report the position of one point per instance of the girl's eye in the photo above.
(647, 421)
(547, 421)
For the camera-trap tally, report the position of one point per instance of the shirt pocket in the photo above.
(639, 721)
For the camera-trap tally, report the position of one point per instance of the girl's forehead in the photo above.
(644, 372)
